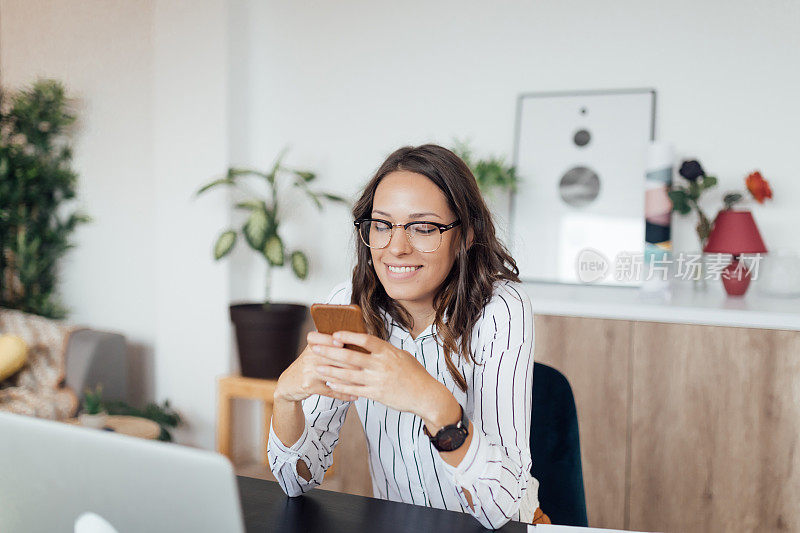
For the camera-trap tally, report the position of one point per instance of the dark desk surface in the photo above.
(267, 508)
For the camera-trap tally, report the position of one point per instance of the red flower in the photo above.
(758, 187)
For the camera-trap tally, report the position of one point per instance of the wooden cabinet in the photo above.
(715, 433)
(594, 355)
(683, 427)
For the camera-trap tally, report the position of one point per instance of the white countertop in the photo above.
(685, 305)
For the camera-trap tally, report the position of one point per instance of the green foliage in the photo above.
(261, 230)
(491, 174)
(93, 401)
(163, 415)
(299, 264)
(731, 199)
(685, 199)
(36, 179)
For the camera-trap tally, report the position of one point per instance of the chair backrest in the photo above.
(556, 449)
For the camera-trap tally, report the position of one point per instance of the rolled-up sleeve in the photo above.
(496, 468)
(323, 420)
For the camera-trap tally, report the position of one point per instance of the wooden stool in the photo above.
(230, 387)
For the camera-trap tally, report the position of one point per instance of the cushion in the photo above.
(13, 355)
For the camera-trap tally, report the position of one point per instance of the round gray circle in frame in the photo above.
(581, 138)
(579, 186)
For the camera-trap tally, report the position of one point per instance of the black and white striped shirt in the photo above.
(404, 466)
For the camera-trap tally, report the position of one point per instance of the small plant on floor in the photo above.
(93, 401)
(163, 415)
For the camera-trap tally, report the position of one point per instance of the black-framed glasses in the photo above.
(423, 236)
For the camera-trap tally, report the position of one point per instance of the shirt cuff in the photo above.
(473, 464)
(290, 454)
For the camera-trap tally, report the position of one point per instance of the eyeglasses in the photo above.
(423, 236)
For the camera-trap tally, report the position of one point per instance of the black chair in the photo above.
(556, 448)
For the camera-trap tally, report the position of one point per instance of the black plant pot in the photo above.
(268, 338)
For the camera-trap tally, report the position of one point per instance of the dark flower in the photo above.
(691, 170)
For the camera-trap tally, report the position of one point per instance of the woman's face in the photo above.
(403, 197)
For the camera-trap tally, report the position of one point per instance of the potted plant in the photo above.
(492, 174)
(164, 415)
(37, 182)
(496, 180)
(267, 333)
(94, 413)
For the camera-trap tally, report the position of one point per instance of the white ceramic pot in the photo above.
(93, 421)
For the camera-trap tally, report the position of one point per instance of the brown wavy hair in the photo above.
(469, 285)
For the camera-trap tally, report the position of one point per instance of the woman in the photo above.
(444, 393)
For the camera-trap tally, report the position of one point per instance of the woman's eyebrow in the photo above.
(412, 215)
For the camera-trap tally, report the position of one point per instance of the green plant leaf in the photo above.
(680, 201)
(251, 204)
(305, 175)
(313, 196)
(708, 182)
(257, 229)
(215, 183)
(224, 244)
(731, 199)
(299, 264)
(334, 197)
(273, 250)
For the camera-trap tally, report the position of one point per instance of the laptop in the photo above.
(56, 477)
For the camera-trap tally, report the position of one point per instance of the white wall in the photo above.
(191, 146)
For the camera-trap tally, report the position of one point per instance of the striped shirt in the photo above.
(403, 463)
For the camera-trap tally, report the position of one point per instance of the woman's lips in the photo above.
(401, 275)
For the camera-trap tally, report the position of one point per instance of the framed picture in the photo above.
(581, 158)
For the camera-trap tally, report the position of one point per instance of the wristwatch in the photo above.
(452, 436)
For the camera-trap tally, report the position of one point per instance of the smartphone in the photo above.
(330, 318)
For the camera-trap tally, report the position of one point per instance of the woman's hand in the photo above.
(301, 379)
(387, 375)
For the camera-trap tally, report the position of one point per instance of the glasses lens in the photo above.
(374, 233)
(424, 237)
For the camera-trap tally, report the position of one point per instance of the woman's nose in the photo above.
(399, 244)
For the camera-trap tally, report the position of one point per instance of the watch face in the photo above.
(451, 439)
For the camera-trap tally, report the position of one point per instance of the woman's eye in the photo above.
(424, 229)
(379, 226)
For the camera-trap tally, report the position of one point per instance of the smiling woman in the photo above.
(444, 392)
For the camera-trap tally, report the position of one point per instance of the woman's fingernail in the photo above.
(316, 349)
(340, 344)
(337, 335)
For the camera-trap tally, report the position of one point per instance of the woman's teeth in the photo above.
(399, 270)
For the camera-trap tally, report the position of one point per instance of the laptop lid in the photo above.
(53, 475)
